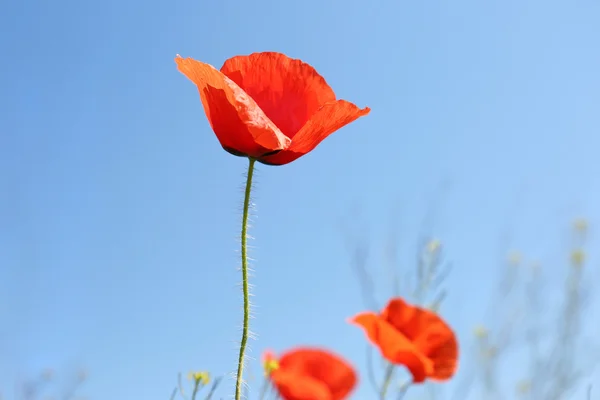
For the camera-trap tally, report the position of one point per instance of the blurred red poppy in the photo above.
(310, 374)
(414, 337)
(268, 106)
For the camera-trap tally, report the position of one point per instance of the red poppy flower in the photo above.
(268, 106)
(310, 374)
(414, 337)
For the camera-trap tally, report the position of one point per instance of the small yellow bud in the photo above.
(200, 377)
(480, 332)
(270, 365)
(514, 258)
(523, 387)
(491, 352)
(434, 246)
(577, 257)
(580, 225)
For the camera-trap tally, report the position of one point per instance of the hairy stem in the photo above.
(240, 370)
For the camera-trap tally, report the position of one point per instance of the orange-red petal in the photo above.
(238, 122)
(324, 122)
(408, 319)
(293, 386)
(428, 332)
(394, 346)
(313, 370)
(444, 355)
(288, 90)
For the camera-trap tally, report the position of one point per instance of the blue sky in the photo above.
(120, 213)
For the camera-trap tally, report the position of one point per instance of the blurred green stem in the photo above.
(196, 388)
(389, 373)
(263, 390)
(240, 369)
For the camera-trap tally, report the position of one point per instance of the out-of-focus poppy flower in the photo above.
(414, 337)
(310, 374)
(268, 106)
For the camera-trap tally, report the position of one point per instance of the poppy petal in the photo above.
(288, 90)
(294, 386)
(328, 368)
(428, 332)
(443, 351)
(408, 319)
(394, 346)
(323, 123)
(240, 125)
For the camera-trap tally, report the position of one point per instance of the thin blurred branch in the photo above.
(370, 371)
(213, 388)
(180, 386)
(387, 380)
(558, 373)
(554, 360)
(360, 258)
(403, 390)
(264, 389)
(197, 387)
(32, 390)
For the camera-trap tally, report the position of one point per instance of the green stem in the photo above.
(389, 372)
(240, 369)
(263, 390)
(196, 387)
